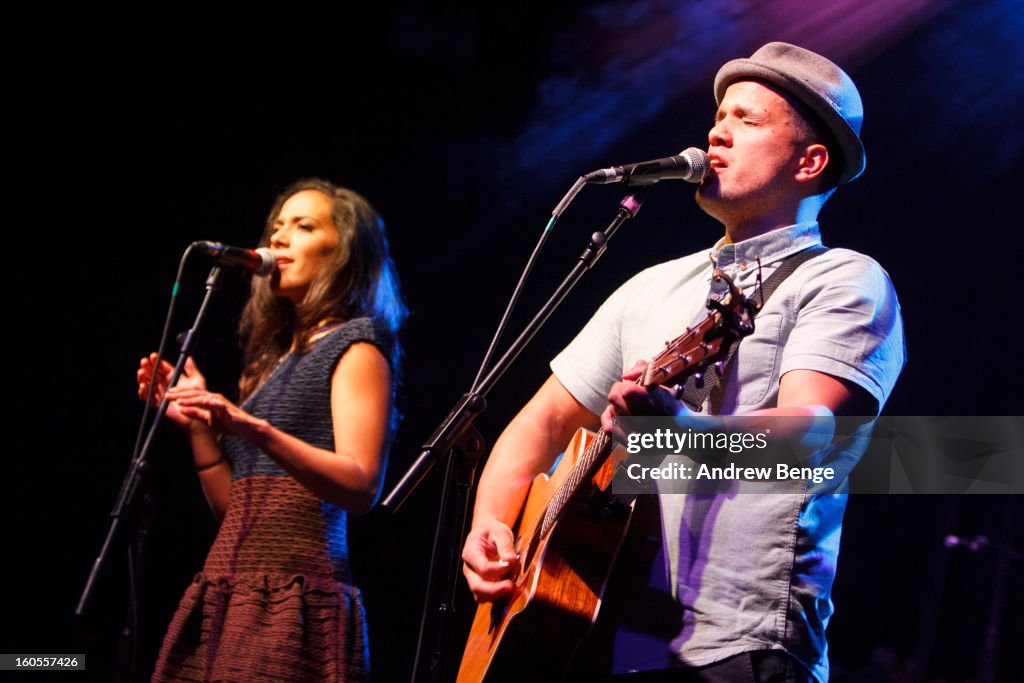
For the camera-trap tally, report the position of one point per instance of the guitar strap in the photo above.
(697, 388)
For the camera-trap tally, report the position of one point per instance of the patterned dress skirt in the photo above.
(268, 605)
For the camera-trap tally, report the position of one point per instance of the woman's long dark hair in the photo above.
(359, 280)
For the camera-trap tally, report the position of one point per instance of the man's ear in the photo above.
(812, 163)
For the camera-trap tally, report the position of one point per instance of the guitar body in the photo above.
(533, 635)
(571, 528)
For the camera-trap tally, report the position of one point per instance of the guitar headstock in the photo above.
(707, 344)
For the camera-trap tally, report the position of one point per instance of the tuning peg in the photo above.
(720, 368)
(698, 380)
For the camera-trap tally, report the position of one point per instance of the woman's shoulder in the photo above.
(361, 329)
(354, 331)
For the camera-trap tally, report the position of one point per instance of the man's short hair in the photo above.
(814, 130)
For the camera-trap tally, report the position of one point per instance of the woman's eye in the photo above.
(307, 227)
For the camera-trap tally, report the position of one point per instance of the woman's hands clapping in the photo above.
(214, 410)
(190, 404)
(190, 378)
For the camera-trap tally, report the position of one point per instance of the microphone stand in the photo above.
(458, 441)
(126, 499)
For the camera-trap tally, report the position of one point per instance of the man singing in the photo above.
(748, 577)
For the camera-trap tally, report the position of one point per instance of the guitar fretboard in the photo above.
(594, 453)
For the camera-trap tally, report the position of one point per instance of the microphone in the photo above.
(691, 165)
(259, 261)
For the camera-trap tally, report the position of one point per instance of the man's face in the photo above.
(755, 147)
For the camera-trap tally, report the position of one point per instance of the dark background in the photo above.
(464, 125)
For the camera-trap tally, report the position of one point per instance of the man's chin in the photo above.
(708, 199)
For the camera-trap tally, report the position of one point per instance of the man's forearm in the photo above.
(526, 448)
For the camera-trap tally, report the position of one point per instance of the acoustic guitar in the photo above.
(571, 527)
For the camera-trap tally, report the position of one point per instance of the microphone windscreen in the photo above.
(700, 165)
(267, 262)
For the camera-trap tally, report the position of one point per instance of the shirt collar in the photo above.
(770, 247)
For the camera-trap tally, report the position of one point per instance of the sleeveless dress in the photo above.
(275, 600)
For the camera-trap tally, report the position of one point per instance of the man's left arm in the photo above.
(801, 388)
(802, 393)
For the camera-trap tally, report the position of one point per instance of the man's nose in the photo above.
(718, 135)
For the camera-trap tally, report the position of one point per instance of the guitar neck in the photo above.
(591, 456)
(691, 353)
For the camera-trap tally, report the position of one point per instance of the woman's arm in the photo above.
(351, 475)
(211, 465)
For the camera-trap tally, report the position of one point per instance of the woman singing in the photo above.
(307, 444)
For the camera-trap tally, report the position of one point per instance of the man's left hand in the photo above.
(629, 398)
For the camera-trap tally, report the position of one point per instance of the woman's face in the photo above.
(302, 242)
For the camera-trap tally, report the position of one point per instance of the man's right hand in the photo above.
(487, 558)
(526, 448)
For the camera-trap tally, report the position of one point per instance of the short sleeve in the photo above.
(592, 362)
(847, 323)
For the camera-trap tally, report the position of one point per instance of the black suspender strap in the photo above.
(697, 388)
